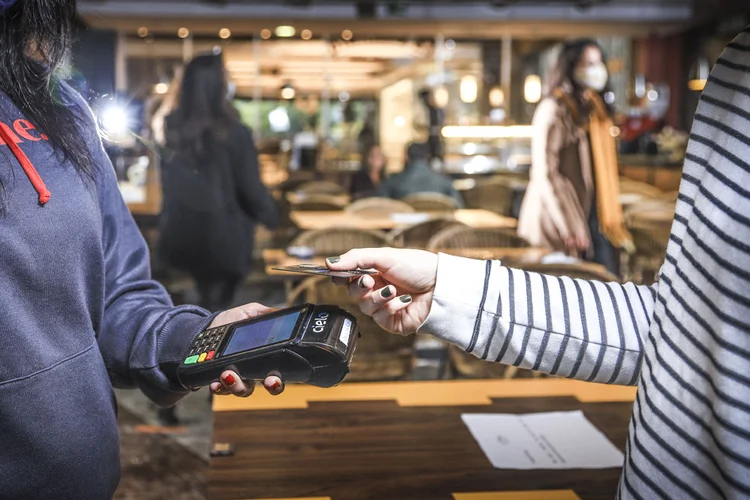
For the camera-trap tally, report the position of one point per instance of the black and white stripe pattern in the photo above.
(685, 342)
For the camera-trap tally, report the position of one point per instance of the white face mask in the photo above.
(593, 77)
(231, 90)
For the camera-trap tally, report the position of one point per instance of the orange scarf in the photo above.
(607, 176)
(606, 172)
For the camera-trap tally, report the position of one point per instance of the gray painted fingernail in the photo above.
(405, 299)
(333, 260)
(387, 292)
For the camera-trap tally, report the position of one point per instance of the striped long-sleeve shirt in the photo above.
(685, 341)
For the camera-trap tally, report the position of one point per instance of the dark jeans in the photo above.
(604, 252)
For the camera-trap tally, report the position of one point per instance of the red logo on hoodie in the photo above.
(21, 131)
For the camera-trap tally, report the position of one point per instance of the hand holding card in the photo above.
(324, 271)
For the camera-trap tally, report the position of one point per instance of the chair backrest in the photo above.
(379, 206)
(418, 235)
(337, 241)
(317, 202)
(650, 236)
(431, 202)
(468, 237)
(584, 270)
(295, 180)
(637, 187)
(320, 187)
(380, 355)
(494, 194)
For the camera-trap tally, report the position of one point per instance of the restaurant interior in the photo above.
(319, 84)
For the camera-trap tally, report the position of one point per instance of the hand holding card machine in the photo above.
(312, 344)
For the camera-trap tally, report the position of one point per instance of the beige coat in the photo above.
(561, 187)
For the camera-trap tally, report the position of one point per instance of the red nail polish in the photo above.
(229, 380)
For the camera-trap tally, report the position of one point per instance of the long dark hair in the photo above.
(204, 112)
(35, 37)
(562, 76)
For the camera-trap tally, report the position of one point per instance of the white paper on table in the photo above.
(557, 440)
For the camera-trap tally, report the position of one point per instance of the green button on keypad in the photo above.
(191, 360)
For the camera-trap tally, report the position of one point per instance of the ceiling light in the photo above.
(532, 89)
(441, 96)
(306, 34)
(287, 91)
(143, 32)
(183, 32)
(285, 31)
(265, 34)
(224, 33)
(347, 35)
(497, 97)
(450, 44)
(468, 89)
(344, 96)
(161, 88)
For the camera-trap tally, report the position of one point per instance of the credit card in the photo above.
(324, 271)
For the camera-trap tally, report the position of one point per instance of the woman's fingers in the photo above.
(274, 384)
(235, 385)
(386, 313)
(373, 301)
(231, 383)
(218, 389)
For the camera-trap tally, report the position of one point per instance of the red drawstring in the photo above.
(27, 166)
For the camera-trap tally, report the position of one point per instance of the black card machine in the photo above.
(312, 344)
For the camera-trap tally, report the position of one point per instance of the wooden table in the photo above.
(341, 199)
(401, 440)
(476, 218)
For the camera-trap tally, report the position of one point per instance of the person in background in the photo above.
(418, 177)
(685, 341)
(368, 137)
(79, 312)
(213, 194)
(435, 119)
(572, 201)
(305, 147)
(366, 180)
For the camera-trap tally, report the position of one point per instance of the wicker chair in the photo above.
(418, 235)
(635, 187)
(650, 238)
(380, 355)
(468, 237)
(431, 202)
(316, 202)
(584, 271)
(321, 187)
(379, 206)
(295, 180)
(494, 194)
(337, 241)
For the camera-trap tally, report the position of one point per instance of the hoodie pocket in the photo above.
(59, 435)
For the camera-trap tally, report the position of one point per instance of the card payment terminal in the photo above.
(312, 344)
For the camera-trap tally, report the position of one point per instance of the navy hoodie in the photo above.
(79, 314)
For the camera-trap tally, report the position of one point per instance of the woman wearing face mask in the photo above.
(572, 201)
